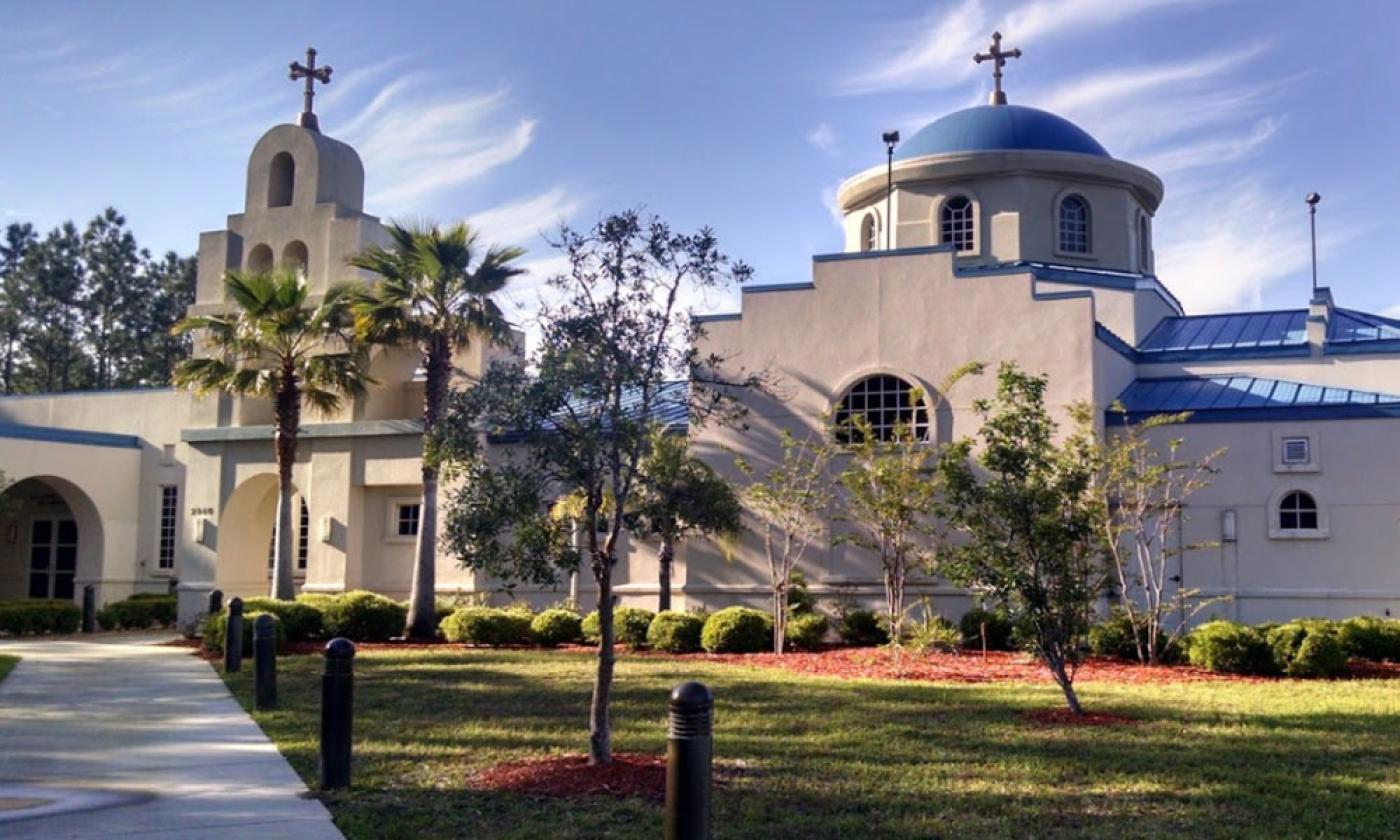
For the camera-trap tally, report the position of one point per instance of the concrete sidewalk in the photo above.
(123, 737)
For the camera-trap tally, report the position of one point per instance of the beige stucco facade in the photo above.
(1095, 320)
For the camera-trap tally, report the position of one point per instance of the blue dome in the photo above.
(992, 128)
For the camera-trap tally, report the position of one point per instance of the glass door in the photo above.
(53, 558)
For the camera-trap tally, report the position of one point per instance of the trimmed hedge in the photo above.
(138, 612)
(1114, 637)
(1372, 638)
(862, 628)
(806, 631)
(556, 627)
(1230, 648)
(38, 616)
(630, 626)
(486, 626)
(216, 628)
(675, 632)
(999, 628)
(737, 630)
(301, 621)
(363, 616)
(1308, 648)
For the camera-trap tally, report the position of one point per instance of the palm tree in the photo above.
(274, 343)
(434, 293)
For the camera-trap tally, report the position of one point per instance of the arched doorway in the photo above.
(50, 539)
(243, 562)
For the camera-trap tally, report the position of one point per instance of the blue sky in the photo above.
(744, 116)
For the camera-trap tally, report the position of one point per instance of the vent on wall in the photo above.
(1295, 450)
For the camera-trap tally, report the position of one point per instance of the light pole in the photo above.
(891, 139)
(1312, 200)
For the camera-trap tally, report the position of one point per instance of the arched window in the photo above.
(955, 225)
(869, 233)
(259, 259)
(1074, 225)
(281, 180)
(295, 256)
(1297, 512)
(887, 403)
(1144, 244)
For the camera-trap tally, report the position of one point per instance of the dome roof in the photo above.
(989, 128)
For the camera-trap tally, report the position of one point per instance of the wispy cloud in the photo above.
(520, 222)
(823, 138)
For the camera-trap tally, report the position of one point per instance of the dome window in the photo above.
(1297, 512)
(281, 180)
(955, 225)
(295, 257)
(1074, 225)
(260, 259)
(890, 405)
(869, 233)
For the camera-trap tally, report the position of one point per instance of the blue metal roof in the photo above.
(1228, 332)
(1349, 326)
(1237, 398)
(989, 128)
(670, 408)
(78, 437)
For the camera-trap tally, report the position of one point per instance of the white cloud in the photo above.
(1392, 312)
(823, 138)
(1211, 151)
(519, 222)
(833, 207)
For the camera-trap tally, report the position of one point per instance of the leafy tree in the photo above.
(582, 411)
(679, 496)
(111, 298)
(276, 343)
(1025, 505)
(1142, 500)
(790, 500)
(20, 239)
(435, 294)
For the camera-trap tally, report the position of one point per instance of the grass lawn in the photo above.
(832, 758)
(7, 664)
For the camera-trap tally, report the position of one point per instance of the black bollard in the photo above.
(337, 707)
(264, 662)
(216, 602)
(89, 609)
(233, 637)
(689, 751)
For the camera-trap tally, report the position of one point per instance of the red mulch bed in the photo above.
(1064, 717)
(570, 776)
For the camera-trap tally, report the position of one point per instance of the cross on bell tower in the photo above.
(312, 74)
(998, 59)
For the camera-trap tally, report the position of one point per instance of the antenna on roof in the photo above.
(1312, 200)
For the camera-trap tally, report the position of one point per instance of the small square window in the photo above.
(1296, 450)
(407, 517)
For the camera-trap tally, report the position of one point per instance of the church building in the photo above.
(995, 233)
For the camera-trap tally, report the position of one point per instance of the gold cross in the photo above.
(998, 58)
(312, 74)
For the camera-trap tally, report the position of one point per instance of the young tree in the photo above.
(1142, 502)
(679, 496)
(435, 294)
(276, 343)
(1025, 507)
(582, 411)
(790, 500)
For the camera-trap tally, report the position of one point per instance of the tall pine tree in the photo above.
(20, 239)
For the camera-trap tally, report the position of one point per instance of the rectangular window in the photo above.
(1295, 450)
(303, 536)
(169, 510)
(407, 517)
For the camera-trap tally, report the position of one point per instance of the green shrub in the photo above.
(364, 617)
(1230, 648)
(737, 630)
(862, 628)
(1372, 638)
(800, 599)
(556, 627)
(675, 632)
(216, 628)
(934, 632)
(1308, 648)
(630, 626)
(807, 630)
(999, 628)
(37, 616)
(138, 613)
(319, 600)
(150, 596)
(1114, 636)
(486, 626)
(301, 621)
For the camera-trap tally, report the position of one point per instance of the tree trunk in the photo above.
(667, 557)
(1056, 665)
(599, 725)
(780, 614)
(421, 623)
(288, 425)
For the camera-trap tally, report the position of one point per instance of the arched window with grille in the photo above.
(1298, 512)
(888, 404)
(1074, 225)
(955, 223)
(869, 233)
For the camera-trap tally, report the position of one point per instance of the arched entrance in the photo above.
(50, 539)
(243, 563)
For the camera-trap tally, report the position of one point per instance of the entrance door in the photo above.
(53, 558)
